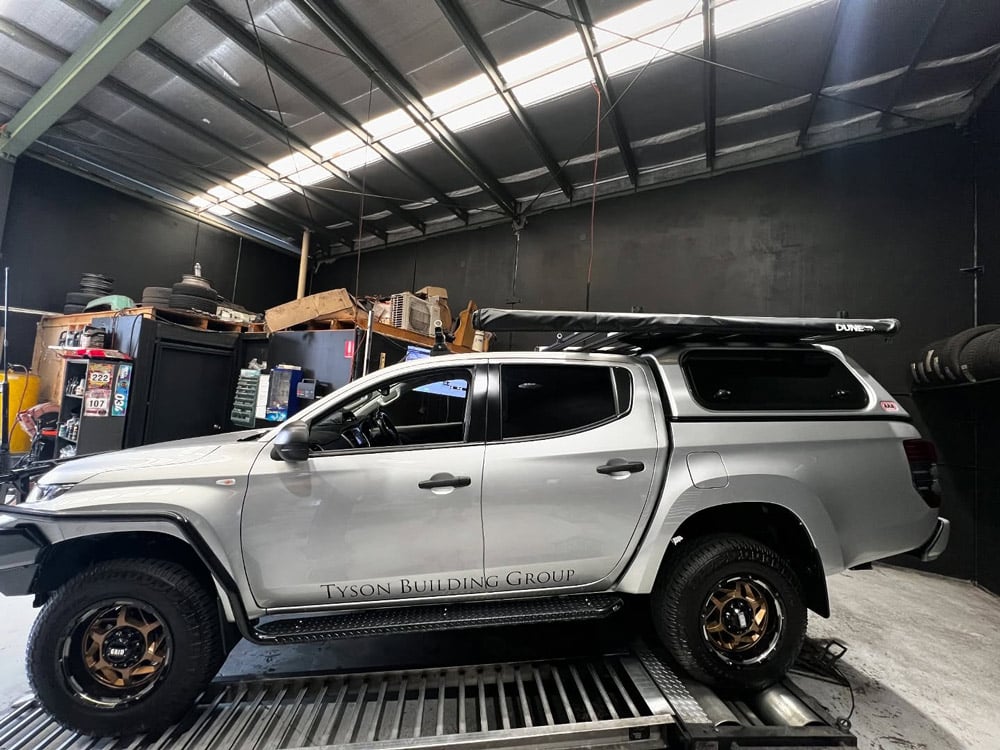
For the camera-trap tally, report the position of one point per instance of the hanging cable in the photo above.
(277, 106)
(593, 192)
(361, 209)
(361, 226)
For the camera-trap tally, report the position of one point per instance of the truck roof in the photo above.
(625, 333)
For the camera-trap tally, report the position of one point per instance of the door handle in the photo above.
(439, 481)
(618, 466)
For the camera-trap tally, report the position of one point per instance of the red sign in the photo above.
(889, 406)
(349, 349)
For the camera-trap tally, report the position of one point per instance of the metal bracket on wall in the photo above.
(974, 270)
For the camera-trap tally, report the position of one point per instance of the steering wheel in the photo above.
(387, 428)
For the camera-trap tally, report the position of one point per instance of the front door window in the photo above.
(421, 410)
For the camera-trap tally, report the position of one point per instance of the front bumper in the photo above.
(936, 544)
(20, 553)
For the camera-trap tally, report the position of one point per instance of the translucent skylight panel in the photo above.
(654, 46)
(272, 190)
(241, 201)
(251, 180)
(310, 175)
(337, 145)
(642, 19)
(294, 162)
(476, 114)
(200, 202)
(561, 52)
(553, 84)
(389, 123)
(467, 91)
(358, 158)
(409, 138)
(222, 193)
(220, 211)
(739, 14)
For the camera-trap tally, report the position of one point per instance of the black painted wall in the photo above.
(877, 229)
(60, 226)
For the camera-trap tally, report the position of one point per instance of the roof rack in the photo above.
(632, 332)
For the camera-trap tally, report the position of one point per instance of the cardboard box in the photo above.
(336, 304)
(428, 292)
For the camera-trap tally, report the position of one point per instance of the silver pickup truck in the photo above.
(721, 467)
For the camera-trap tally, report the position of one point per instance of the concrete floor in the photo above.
(922, 656)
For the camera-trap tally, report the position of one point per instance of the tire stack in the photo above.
(92, 286)
(194, 293)
(967, 357)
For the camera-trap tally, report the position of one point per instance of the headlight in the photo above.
(42, 492)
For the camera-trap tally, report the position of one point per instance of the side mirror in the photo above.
(292, 443)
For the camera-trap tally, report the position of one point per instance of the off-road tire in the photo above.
(73, 309)
(186, 302)
(195, 290)
(81, 298)
(690, 574)
(951, 355)
(980, 359)
(190, 614)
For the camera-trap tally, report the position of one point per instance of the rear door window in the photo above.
(772, 380)
(547, 399)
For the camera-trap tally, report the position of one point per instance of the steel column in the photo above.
(128, 26)
(6, 181)
(883, 120)
(475, 45)
(584, 25)
(708, 47)
(831, 44)
(342, 31)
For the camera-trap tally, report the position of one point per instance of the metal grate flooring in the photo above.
(608, 701)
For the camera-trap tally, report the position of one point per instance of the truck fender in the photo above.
(760, 489)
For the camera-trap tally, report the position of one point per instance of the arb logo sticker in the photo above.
(889, 406)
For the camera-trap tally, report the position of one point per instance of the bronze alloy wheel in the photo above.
(742, 619)
(117, 652)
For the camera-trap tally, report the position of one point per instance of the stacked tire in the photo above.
(967, 357)
(92, 286)
(157, 296)
(194, 293)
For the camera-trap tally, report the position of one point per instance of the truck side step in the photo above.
(439, 617)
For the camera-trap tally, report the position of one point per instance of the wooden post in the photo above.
(303, 264)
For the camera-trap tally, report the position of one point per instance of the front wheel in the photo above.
(125, 647)
(730, 611)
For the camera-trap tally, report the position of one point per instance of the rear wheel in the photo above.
(125, 647)
(730, 611)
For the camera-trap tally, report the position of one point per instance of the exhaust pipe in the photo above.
(778, 706)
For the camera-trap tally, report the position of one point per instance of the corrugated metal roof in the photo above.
(193, 113)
